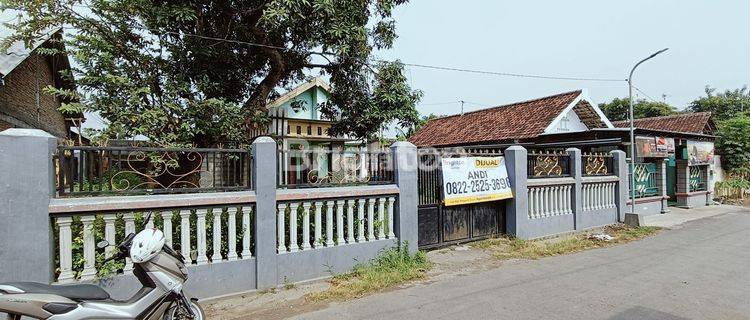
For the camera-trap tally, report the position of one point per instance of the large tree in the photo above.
(201, 72)
(734, 143)
(617, 109)
(722, 105)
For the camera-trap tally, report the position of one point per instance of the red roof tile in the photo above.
(698, 122)
(520, 120)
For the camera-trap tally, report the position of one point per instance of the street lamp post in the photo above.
(632, 130)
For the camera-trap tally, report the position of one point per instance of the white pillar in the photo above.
(246, 254)
(350, 221)
(340, 222)
(318, 225)
(166, 217)
(293, 246)
(370, 219)
(216, 256)
(109, 233)
(201, 230)
(185, 248)
(306, 225)
(381, 218)
(361, 222)
(281, 235)
(89, 251)
(391, 235)
(329, 223)
(66, 249)
(232, 233)
(129, 228)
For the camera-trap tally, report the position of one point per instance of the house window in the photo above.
(309, 130)
(299, 129)
(564, 123)
(288, 129)
(320, 131)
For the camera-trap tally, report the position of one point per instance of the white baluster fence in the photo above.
(598, 195)
(204, 235)
(550, 197)
(334, 222)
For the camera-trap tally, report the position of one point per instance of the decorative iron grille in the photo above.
(698, 178)
(548, 165)
(644, 175)
(323, 168)
(88, 171)
(598, 164)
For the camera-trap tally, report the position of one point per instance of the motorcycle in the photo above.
(160, 270)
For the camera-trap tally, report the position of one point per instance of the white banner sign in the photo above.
(475, 179)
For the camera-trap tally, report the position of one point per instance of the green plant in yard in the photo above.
(391, 267)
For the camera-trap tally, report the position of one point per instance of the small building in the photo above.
(309, 151)
(24, 73)
(674, 154)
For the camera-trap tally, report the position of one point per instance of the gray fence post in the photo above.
(264, 180)
(577, 174)
(405, 166)
(27, 176)
(516, 209)
(621, 171)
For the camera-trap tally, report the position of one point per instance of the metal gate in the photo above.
(440, 225)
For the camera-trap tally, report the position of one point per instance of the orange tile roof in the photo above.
(698, 123)
(519, 120)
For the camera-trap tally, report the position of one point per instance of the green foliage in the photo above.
(617, 109)
(734, 143)
(183, 73)
(723, 105)
(391, 267)
(734, 183)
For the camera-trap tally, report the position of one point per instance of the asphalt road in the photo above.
(700, 270)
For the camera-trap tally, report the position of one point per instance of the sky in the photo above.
(708, 44)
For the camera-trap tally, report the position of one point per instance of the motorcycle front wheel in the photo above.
(177, 312)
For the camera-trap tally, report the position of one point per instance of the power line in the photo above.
(508, 74)
(644, 94)
(438, 103)
(444, 68)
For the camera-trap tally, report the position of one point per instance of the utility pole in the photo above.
(632, 130)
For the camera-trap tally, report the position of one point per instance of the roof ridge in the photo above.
(681, 114)
(579, 91)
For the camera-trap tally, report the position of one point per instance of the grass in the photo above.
(391, 267)
(513, 248)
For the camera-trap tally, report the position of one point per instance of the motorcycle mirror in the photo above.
(148, 218)
(102, 244)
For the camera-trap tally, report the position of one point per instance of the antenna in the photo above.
(462, 106)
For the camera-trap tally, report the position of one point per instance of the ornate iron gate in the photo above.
(439, 225)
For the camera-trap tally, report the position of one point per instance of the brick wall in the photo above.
(18, 97)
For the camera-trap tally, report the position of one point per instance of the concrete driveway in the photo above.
(699, 270)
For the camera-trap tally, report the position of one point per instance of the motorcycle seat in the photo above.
(76, 292)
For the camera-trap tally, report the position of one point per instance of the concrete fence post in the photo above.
(621, 191)
(264, 180)
(577, 174)
(27, 176)
(516, 209)
(405, 166)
